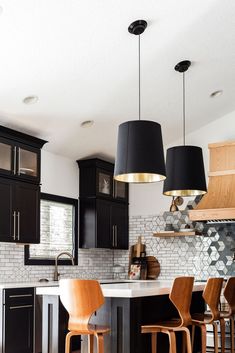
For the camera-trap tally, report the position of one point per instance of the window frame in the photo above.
(46, 261)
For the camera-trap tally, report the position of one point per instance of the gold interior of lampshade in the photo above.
(139, 177)
(184, 192)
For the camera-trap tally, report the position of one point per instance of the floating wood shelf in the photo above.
(175, 234)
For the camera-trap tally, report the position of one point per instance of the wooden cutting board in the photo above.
(153, 267)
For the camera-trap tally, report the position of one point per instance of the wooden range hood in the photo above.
(218, 204)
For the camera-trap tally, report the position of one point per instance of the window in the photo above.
(59, 231)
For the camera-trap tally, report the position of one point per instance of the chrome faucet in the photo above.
(56, 273)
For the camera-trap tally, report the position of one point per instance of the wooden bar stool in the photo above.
(211, 295)
(180, 296)
(229, 295)
(81, 298)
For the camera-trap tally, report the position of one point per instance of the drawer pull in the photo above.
(20, 307)
(20, 295)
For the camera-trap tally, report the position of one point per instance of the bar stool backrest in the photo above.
(229, 294)
(81, 298)
(181, 296)
(211, 295)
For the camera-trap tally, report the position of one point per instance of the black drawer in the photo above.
(19, 296)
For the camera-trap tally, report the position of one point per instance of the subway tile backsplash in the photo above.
(92, 263)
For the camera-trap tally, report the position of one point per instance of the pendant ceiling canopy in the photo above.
(140, 155)
(184, 164)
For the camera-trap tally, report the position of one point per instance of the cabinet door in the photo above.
(27, 206)
(120, 191)
(7, 224)
(104, 183)
(7, 157)
(120, 238)
(28, 163)
(103, 231)
(18, 329)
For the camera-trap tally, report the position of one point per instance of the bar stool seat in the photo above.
(91, 329)
(82, 298)
(182, 304)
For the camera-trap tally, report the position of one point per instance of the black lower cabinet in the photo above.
(18, 320)
(103, 224)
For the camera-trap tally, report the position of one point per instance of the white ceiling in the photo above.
(79, 59)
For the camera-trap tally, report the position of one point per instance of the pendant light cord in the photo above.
(184, 108)
(139, 78)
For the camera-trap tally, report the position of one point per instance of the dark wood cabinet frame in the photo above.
(44, 261)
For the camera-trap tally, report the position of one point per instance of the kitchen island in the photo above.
(127, 307)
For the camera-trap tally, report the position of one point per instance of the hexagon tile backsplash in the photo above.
(202, 256)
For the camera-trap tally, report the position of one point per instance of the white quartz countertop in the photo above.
(35, 284)
(28, 284)
(127, 289)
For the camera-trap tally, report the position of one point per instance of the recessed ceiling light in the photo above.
(30, 99)
(216, 93)
(87, 123)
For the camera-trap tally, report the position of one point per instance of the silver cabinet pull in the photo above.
(20, 295)
(113, 242)
(18, 225)
(14, 160)
(116, 236)
(20, 307)
(18, 170)
(14, 225)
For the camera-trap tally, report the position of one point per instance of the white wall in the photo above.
(148, 199)
(59, 175)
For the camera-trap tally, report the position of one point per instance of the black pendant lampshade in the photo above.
(185, 175)
(140, 157)
(185, 172)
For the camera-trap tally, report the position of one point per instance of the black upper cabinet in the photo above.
(20, 160)
(6, 210)
(20, 212)
(96, 180)
(103, 224)
(103, 206)
(20, 155)
(27, 206)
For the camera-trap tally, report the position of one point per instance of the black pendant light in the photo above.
(184, 164)
(140, 156)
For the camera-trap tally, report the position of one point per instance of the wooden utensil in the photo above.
(153, 267)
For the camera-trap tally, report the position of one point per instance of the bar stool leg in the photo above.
(188, 341)
(154, 342)
(203, 338)
(172, 340)
(67, 342)
(100, 343)
(232, 333)
(193, 335)
(222, 334)
(90, 343)
(215, 331)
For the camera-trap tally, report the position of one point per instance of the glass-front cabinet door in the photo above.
(104, 183)
(28, 162)
(6, 157)
(19, 161)
(120, 190)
